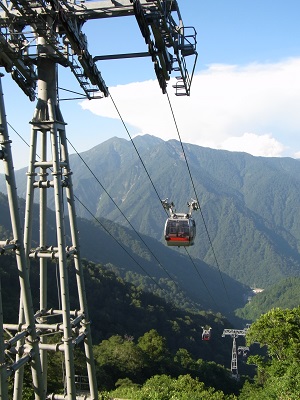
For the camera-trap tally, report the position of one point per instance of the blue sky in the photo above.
(245, 94)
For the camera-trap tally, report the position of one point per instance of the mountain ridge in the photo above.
(247, 220)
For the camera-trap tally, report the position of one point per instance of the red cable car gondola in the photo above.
(180, 229)
(206, 334)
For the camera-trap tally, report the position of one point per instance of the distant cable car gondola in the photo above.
(206, 334)
(180, 229)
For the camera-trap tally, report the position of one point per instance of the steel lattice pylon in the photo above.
(48, 129)
(234, 334)
(73, 327)
(35, 37)
(22, 345)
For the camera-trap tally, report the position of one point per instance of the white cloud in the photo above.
(258, 145)
(226, 103)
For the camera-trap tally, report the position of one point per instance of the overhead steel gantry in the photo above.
(59, 22)
(36, 36)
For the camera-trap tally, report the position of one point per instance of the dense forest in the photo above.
(277, 368)
(131, 324)
(117, 307)
(284, 294)
(146, 348)
(149, 304)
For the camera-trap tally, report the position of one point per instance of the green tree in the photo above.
(278, 375)
(279, 331)
(184, 359)
(118, 358)
(163, 387)
(153, 345)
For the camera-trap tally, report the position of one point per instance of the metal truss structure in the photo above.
(35, 37)
(27, 333)
(35, 29)
(234, 334)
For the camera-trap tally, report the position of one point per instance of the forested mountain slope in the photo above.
(118, 308)
(249, 204)
(284, 294)
(184, 282)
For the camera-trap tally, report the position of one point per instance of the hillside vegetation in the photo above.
(147, 349)
(135, 333)
(248, 203)
(148, 307)
(284, 294)
(168, 274)
(117, 307)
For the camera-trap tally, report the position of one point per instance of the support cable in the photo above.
(137, 152)
(198, 273)
(124, 214)
(107, 231)
(82, 96)
(192, 181)
(126, 251)
(143, 164)
(159, 263)
(20, 136)
(127, 220)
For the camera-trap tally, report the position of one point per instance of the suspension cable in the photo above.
(125, 126)
(159, 263)
(144, 166)
(198, 273)
(126, 251)
(137, 152)
(192, 181)
(127, 220)
(107, 229)
(82, 96)
(20, 136)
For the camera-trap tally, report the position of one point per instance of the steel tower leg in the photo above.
(51, 159)
(78, 267)
(234, 367)
(3, 377)
(31, 351)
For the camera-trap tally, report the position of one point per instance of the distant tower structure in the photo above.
(36, 36)
(234, 334)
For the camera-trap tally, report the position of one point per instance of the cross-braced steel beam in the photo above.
(22, 346)
(49, 169)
